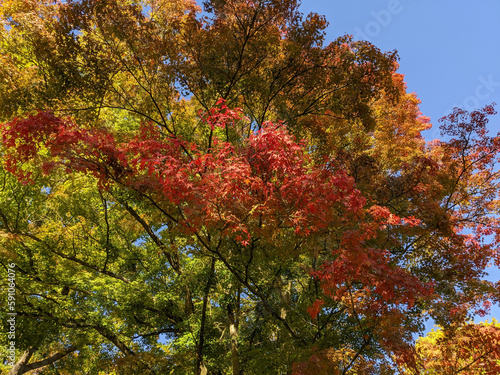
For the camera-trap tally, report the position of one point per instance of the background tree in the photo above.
(468, 349)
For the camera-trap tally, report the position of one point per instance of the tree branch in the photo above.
(49, 360)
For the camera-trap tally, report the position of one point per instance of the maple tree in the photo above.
(224, 194)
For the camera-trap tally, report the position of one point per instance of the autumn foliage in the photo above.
(468, 349)
(224, 194)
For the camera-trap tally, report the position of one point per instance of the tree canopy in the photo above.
(209, 189)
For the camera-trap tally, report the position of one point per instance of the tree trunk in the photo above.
(233, 316)
(22, 365)
(200, 367)
(18, 367)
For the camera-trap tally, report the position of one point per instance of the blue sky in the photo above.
(449, 51)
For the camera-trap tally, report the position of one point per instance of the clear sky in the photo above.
(449, 50)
